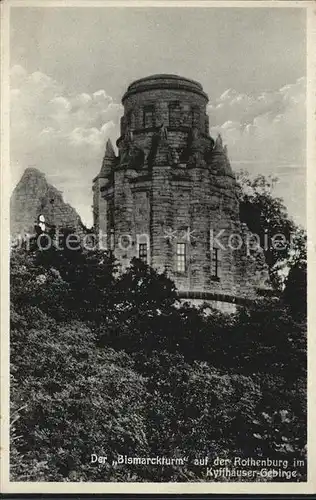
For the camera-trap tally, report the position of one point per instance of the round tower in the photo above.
(176, 102)
(165, 103)
(170, 198)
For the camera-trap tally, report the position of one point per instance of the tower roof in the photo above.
(109, 150)
(164, 81)
(108, 162)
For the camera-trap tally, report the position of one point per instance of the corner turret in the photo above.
(104, 178)
(108, 163)
(219, 160)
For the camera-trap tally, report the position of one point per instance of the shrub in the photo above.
(77, 400)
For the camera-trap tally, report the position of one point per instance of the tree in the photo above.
(295, 292)
(67, 284)
(266, 216)
(144, 299)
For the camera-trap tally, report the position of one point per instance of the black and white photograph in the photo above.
(158, 307)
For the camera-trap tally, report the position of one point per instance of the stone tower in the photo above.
(170, 198)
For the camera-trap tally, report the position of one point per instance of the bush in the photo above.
(110, 364)
(194, 411)
(76, 399)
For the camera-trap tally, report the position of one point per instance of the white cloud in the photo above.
(266, 134)
(270, 125)
(62, 134)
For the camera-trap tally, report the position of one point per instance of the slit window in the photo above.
(215, 263)
(149, 116)
(142, 252)
(181, 257)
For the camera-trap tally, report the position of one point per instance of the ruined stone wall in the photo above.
(34, 196)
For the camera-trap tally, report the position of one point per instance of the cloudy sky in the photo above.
(70, 67)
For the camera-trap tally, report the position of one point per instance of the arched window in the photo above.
(174, 114)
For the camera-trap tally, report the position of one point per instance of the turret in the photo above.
(108, 163)
(104, 178)
(219, 161)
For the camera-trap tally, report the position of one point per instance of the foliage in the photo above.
(65, 284)
(76, 400)
(194, 410)
(114, 364)
(266, 215)
(295, 291)
(143, 298)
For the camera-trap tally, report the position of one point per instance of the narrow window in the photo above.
(181, 257)
(174, 114)
(149, 116)
(215, 263)
(195, 116)
(142, 252)
(112, 240)
(131, 119)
